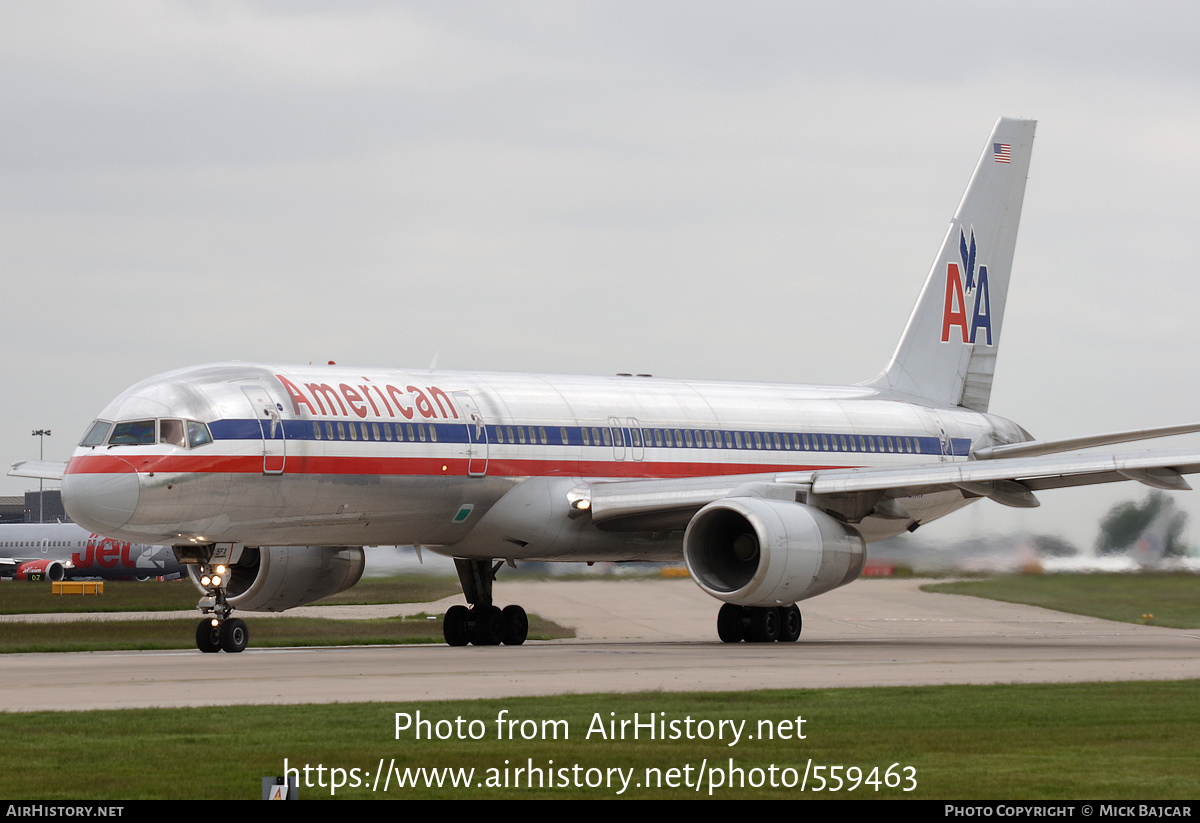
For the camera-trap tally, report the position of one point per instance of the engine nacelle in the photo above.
(52, 570)
(758, 552)
(274, 578)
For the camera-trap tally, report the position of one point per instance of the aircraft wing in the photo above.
(628, 505)
(1161, 469)
(38, 469)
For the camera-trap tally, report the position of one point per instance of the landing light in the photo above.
(221, 569)
(216, 581)
(205, 580)
(582, 504)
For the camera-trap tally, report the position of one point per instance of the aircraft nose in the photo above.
(101, 501)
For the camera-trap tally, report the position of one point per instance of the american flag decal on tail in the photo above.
(1002, 152)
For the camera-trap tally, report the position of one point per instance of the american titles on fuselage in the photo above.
(323, 399)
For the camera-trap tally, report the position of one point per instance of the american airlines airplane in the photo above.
(58, 551)
(270, 480)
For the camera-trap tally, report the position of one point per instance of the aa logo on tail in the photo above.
(976, 327)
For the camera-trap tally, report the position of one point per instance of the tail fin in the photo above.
(948, 350)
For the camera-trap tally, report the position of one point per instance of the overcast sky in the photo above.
(750, 190)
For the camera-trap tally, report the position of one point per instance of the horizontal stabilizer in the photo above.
(38, 469)
(1033, 448)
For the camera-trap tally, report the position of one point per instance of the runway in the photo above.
(633, 636)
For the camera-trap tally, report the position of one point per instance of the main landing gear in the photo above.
(483, 624)
(759, 624)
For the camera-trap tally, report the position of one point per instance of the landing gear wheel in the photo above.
(454, 626)
(516, 625)
(789, 624)
(764, 625)
(234, 635)
(208, 636)
(729, 624)
(489, 626)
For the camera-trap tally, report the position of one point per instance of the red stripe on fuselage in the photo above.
(417, 466)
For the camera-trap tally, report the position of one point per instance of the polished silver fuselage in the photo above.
(361, 457)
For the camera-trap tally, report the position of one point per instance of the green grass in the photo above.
(116, 635)
(19, 597)
(1171, 600)
(1111, 741)
(123, 595)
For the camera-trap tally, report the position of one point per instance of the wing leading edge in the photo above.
(634, 505)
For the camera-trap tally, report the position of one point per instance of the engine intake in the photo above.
(275, 578)
(758, 552)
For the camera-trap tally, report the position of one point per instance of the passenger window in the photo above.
(316, 430)
(421, 432)
(586, 440)
(433, 432)
(341, 431)
(562, 434)
(353, 430)
(374, 431)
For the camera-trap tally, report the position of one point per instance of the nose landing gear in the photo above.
(221, 630)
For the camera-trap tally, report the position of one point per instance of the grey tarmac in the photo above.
(641, 635)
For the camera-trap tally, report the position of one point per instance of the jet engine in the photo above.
(753, 551)
(274, 578)
(52, 570)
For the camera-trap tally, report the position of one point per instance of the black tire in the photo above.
(516, 625)
(454, 626)
(729, 624)
(764, 624)
(489, 626)
(208, 637)
(790, 624)
(234, 636)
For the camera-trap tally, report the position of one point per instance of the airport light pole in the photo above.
(41, 434)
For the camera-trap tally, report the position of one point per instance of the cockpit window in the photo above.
(96, 433)
(134, 433)
(198, 434)
(171, 431)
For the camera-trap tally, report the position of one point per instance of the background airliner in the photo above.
(269, 480)
(58, 551)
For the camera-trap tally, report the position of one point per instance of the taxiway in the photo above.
(633, 636)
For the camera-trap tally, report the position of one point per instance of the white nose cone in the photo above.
(102, 503)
